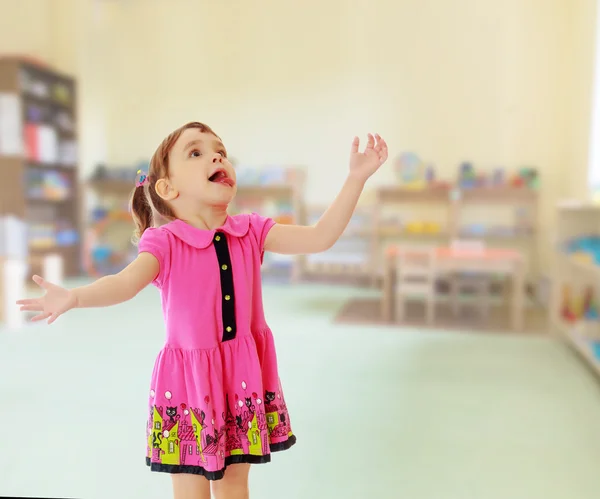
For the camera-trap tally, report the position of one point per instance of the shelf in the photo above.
(483, 194)
(398, 232)
(400, 194)
(575, 273)
(53, 249)
(46, 101)
(357, 232)
(275, 191)
(495, 235)
(499, 195)
(121, 186)
(50, 200)
(586, 267)
(52, 166)
(576, 206)
(334, 267)
(61, 133)
(38, 192)
(112, 186)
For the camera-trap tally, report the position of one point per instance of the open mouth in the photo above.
(221, 177)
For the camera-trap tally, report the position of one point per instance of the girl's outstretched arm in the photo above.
(298, 239)
(117, 288)
(106, 291)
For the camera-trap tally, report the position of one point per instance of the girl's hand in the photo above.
(365, 164)
(54, 303)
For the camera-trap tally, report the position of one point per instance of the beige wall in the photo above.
(24, 27)
(499, 83)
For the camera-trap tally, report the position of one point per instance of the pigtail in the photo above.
(140, 211)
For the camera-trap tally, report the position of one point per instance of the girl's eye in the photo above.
(223, 153)
(195, 154)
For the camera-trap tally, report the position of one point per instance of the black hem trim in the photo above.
(175, 469)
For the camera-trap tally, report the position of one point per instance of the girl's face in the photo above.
(200, 171)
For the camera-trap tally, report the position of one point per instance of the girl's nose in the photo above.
(218, 158)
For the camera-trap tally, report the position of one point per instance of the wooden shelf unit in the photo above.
(347, 261)
(56, 114)
(575, 220)
(290, 192)
(455, 202)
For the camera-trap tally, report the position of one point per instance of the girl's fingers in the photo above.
(36, 307)
(41, 317)
(377, 141)
(40, 281)
(52, 318)
(370, 141)
(28, 301)
(354, 148)
(383, 151)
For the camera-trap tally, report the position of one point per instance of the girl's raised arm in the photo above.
(298, 239)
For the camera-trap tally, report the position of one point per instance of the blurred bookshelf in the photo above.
(39, 160)
(503, 215)
(575, 308)
(347, 262)
(276, 192)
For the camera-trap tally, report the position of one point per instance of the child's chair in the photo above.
(416, 280)
(477, 281)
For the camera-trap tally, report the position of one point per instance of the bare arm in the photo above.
(106, 291)
(118, 288)
(298, 239)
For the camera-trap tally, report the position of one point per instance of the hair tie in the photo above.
(142, 178)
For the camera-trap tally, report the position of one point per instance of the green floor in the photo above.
(379, 412)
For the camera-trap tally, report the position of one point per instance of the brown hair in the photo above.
(147, 207)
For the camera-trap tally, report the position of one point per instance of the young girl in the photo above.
(216, 403)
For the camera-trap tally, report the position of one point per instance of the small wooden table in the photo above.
(490, 260)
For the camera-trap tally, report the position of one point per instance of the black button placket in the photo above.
(227, 296)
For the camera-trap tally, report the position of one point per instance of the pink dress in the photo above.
(215, 395)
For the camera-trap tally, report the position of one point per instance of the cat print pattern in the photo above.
(250, 426)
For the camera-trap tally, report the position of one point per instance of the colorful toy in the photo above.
(595, 346)
(420, 227)
(590, 305)
(430, 174)
(567, 311)
(467, 179)
(271, 175)
(585, 249)
(530, 177)
(124, 174)
(414, 227)
(104, 257)
(51, 185)
(410, 171)
(583, 306)
(577, 306)
(432, 227)
(498, 177)
(61, 93)
(474, 230)
(66, 235)
(409, 167)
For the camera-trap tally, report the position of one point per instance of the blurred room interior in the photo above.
(458, 317)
